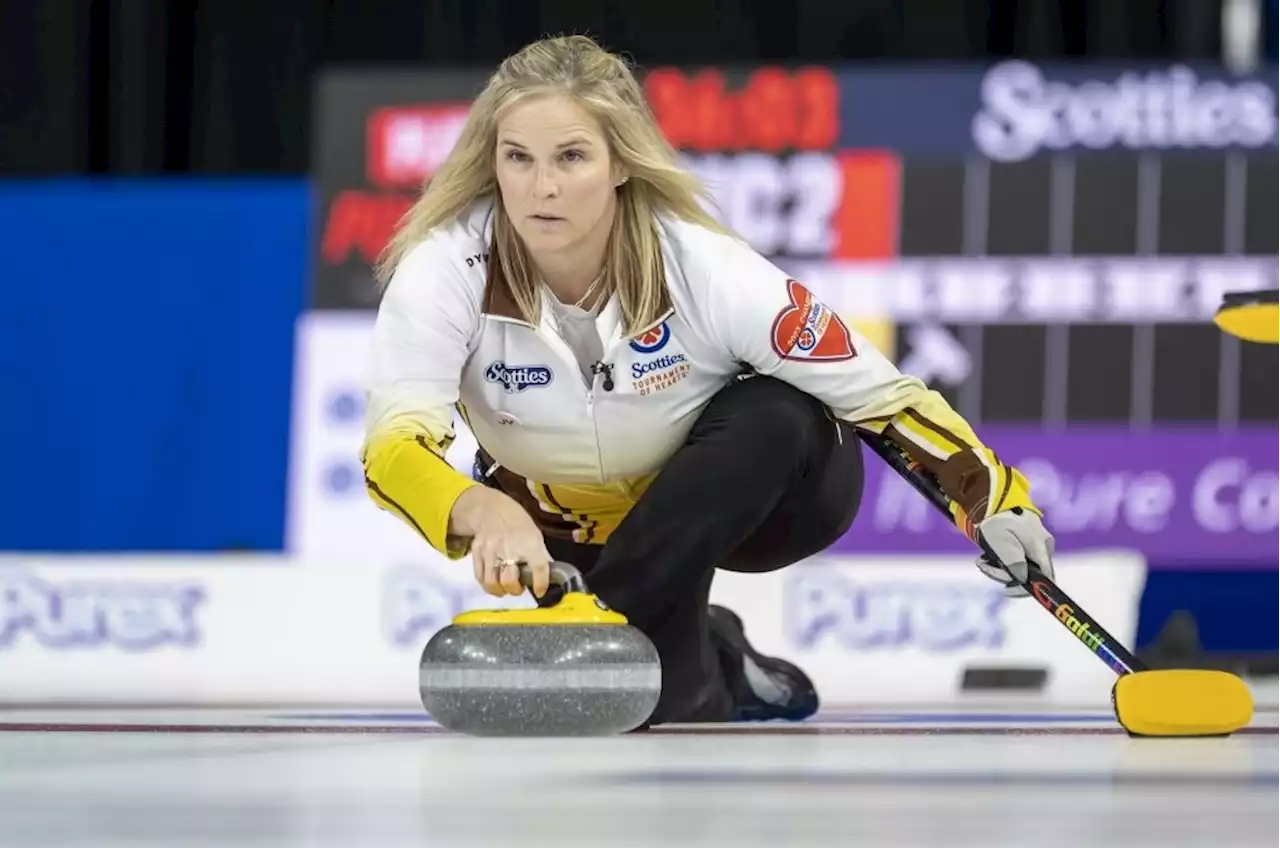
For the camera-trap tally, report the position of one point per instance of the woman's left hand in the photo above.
(1016, 537)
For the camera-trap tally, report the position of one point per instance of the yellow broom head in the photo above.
(1182, 702)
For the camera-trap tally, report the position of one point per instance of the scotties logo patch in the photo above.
(515, 379)
(655, 375)
(808, 331)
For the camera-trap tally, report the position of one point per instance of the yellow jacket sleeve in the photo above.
(406, 474)
(970, 473)
(421, 339)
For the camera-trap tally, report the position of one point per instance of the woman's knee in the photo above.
(767, 412)
(812, 518)
(822, 528)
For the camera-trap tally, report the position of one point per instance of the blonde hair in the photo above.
(604, 85)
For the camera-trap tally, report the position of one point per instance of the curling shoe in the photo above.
(764, 688)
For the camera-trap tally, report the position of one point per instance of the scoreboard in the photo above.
(1064, 283)
(1045, 246)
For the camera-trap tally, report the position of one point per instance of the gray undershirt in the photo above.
(578, 329)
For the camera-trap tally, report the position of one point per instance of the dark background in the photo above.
(225, 86)
(1195, 372)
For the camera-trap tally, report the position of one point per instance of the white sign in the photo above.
(905, 630)
(1035, 290)
(349, 631)
(224, 630)
(328, 508)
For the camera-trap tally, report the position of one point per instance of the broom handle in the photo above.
(1066, 611)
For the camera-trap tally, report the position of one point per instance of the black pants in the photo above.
(766, 478)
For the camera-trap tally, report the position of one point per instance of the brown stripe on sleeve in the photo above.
(956, 442)
(1004, 492)
(879, 419)
(962, 476)
(425, 445)
(373, 487)
(390, 501)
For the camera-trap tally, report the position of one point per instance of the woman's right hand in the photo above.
(502, 537)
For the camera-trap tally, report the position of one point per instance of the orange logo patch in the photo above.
(808, 331)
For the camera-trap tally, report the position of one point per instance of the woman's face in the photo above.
(555, 173)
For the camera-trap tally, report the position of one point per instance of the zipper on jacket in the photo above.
(595, 426)
(561, 349)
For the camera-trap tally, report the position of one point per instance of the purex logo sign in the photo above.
(1024, 111)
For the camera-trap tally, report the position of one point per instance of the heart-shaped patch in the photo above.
(808, 331)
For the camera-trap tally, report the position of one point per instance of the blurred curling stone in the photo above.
(1250, 315)
(573, 669)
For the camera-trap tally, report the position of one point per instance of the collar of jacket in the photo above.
(499, 303)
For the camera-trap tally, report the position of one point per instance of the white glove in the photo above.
(1015, 536)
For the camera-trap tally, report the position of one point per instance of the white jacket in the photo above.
(578, 454)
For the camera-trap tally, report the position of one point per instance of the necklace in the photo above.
(591, 290)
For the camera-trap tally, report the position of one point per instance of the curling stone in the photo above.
(1250, 315)
(576, 668)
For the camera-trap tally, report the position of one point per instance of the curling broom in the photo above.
(1147, 702)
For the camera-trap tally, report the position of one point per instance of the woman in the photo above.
(653, 400)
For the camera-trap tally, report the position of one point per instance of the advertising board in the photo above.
(339, 630)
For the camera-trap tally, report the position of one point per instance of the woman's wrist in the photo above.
(469, 509)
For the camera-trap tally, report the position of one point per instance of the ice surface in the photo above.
(980, 777)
